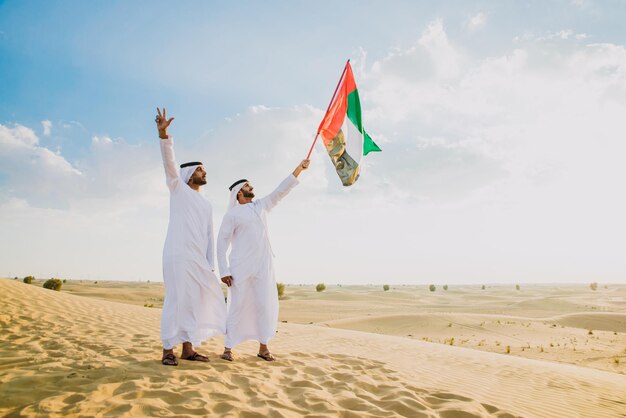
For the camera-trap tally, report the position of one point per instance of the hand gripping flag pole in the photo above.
(328, 108)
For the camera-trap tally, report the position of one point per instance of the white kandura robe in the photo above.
(194, 307)
(252, 298)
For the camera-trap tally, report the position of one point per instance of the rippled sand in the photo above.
(350, 351)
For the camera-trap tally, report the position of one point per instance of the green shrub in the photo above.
(432, 288)
(385, 287)
(594, 286)
(280, 287)
(64, 280)
(320, 287)
(483, 287)
(53, 284)
(517, 287)
(445, 287)
(28, 279)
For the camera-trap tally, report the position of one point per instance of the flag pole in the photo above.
(328, 108)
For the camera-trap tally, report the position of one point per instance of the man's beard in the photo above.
(199, 181)
(247, 195)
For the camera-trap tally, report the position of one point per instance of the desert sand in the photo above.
(351, 351)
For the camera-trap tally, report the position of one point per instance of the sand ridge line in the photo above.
(321, 371)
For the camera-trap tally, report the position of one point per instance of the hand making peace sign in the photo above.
(162, 123)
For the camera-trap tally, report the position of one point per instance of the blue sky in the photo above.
(494, 117)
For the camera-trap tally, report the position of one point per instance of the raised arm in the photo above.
(268, 202)
(224, 238)
(172, 177)
(162, 123)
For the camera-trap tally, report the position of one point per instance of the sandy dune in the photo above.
(569, 324)
(63, 354)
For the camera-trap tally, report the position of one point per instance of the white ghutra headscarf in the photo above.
(187, 169)
(234, 189)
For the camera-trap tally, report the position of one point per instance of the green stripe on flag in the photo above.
(369, 145)
(354, 110)
(354, 114)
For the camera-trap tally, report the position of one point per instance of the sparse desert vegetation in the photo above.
(53, 284)
(499, 332)
(386, 287)
(28, 279)
(280, 288)
(432, 288)
(320, 287)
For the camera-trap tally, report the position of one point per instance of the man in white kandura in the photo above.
(249, 271)
(194, 307)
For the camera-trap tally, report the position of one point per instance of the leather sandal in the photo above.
(169, 360)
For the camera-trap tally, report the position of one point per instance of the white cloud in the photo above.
(101, 140)
(506, 168)
(47, 127)
(527, 141)
(71, 125)
(111, 176)
(104, 217)
(511, 111)
(34, 172)
(477, 22)
(563, 35)
(447, 59)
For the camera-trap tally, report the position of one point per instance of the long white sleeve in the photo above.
(172, 178)
(224, 238)
(268, 202)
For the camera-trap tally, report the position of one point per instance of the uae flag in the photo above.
(342, 130)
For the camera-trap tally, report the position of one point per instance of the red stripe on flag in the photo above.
(336, 114)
